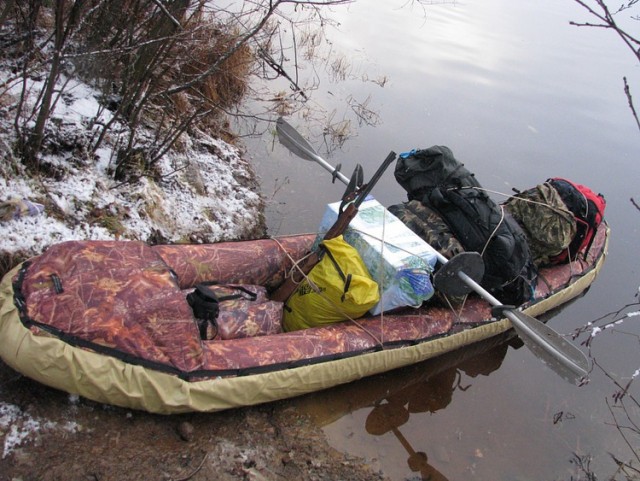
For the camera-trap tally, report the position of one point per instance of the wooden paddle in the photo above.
(468, 267)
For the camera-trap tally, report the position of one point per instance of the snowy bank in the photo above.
(205, 192)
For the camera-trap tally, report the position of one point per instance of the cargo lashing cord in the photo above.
(382, 240)
(455, 310)
(509, 196)
(296, 267)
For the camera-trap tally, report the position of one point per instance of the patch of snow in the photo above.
(19, 427)
(30, 234)
(218, 205)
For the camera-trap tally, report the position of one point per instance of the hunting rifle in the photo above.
(561, 356)
(348, 210)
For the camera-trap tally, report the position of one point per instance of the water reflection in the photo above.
(431, 395)
(391, 399)
(384, 418)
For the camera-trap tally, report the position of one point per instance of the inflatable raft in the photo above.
(109, 321)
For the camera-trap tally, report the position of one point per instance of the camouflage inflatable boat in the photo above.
(109, 320)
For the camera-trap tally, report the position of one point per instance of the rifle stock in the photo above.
(345, 217)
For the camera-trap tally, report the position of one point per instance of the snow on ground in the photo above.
(19, 427)
(205, 193)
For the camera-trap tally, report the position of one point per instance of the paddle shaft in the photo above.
(339, 175)
(536, 335)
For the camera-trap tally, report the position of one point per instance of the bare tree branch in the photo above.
(627, 92)
(608, 21)
(168, 14)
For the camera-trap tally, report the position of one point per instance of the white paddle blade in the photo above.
(557, 353)
(291, 139)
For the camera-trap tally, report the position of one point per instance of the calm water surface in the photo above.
(519, 95)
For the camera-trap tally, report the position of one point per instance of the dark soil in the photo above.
(65, 438)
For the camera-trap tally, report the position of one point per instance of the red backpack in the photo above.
(588, 209)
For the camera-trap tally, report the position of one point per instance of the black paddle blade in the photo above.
(447, 281)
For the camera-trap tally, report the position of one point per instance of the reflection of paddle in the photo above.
(384, 417)
(388, 417)
(560, 355)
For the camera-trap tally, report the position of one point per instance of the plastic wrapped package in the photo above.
(398, 259)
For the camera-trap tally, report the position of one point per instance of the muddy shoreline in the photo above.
(49, 435)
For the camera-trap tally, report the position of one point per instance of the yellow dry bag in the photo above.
(344, 289)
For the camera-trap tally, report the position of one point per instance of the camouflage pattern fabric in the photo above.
(243, 317)
(548, 224)
(429, 226)
(124, 296)
(261, 261)
(117, 295)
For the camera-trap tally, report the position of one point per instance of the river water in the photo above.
(519, 95)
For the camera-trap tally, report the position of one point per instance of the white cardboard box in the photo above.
(403, 271)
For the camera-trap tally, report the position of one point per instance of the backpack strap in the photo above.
(346, 279)
(244, 292)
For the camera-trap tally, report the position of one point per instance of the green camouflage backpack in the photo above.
(548, 224)
(428, 224)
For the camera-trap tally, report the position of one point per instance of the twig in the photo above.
(621, 431)
(624, 391)
(195, 471)
(627, 92)
(167, 13)
(279, 69)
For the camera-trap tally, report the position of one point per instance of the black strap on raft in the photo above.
(206, 304)
(57, 283)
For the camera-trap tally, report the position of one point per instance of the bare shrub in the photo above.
(167, 66)
(606, 15)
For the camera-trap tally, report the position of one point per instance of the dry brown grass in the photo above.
(228, 84)
(225, 86)
(128, 47)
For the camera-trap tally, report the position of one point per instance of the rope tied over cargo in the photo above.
(304, 277)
